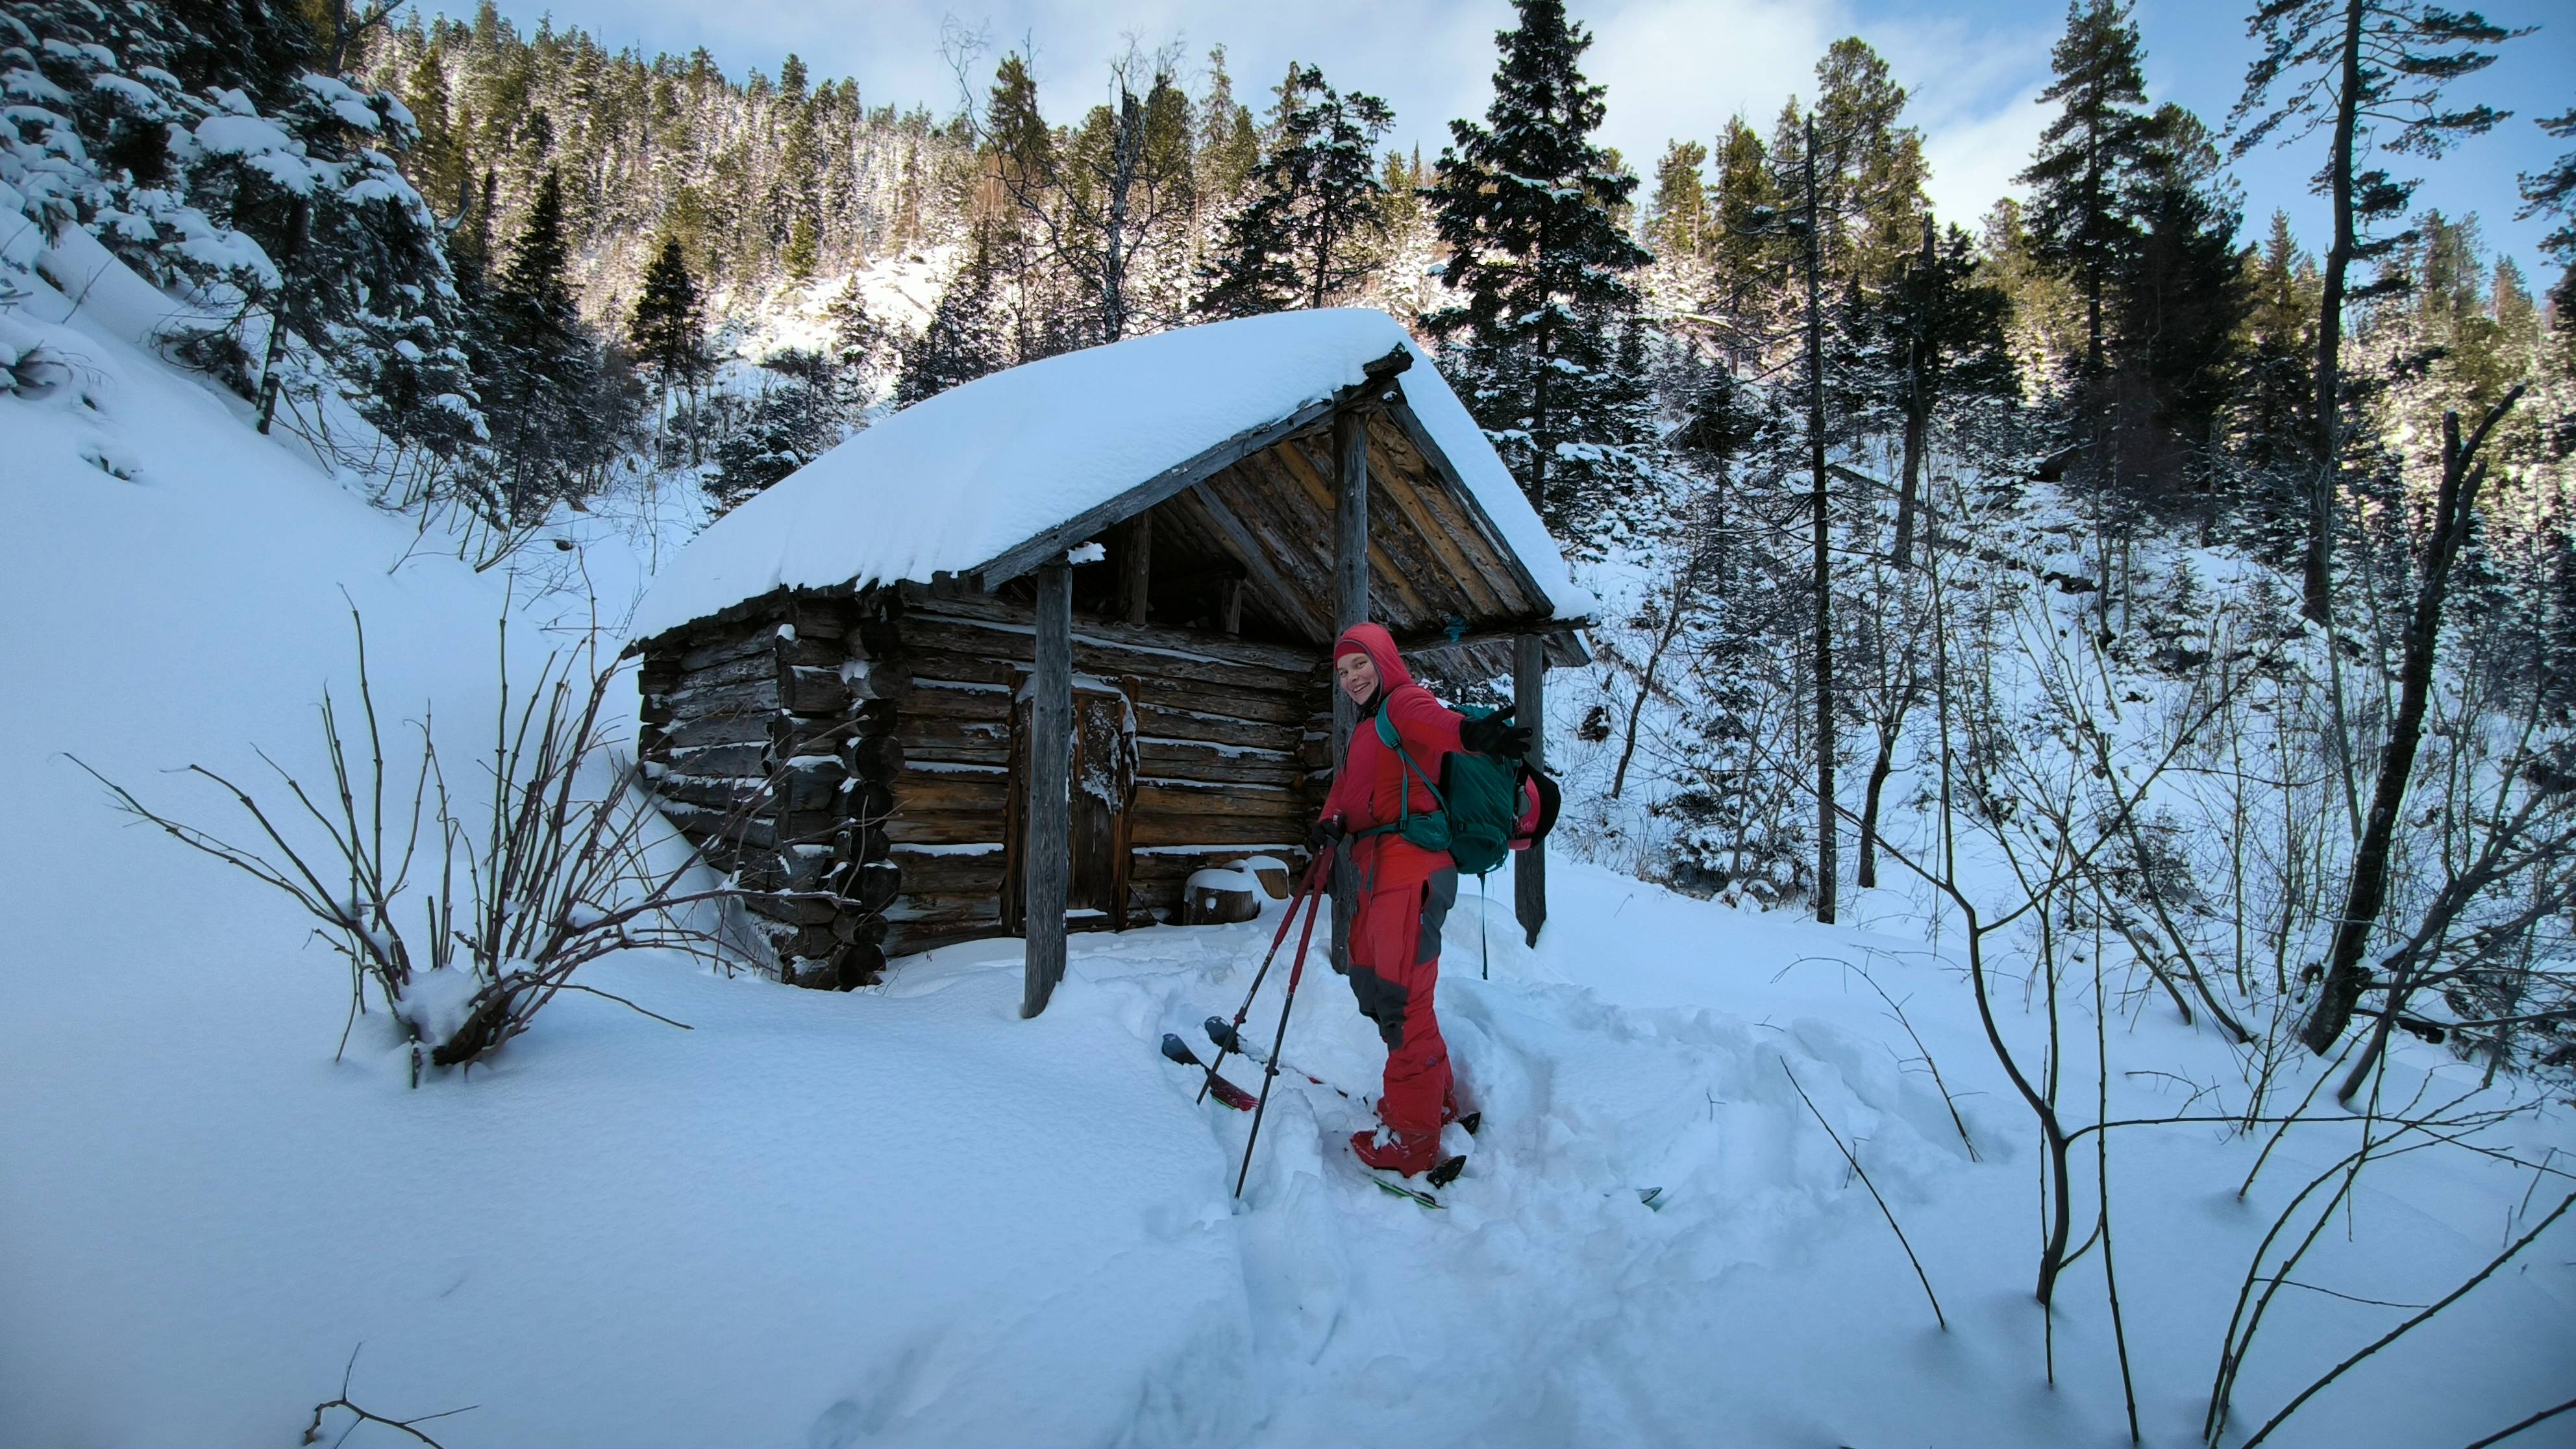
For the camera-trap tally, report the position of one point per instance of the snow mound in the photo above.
(952, 481)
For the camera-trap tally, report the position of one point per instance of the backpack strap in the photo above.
(1387, 736)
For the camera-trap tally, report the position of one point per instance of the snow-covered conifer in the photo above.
(1537, 260)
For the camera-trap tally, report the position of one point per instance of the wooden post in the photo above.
(1230, 605)
(1529, 707)
(1138, 565)
(1350, 606)
(1050, 820)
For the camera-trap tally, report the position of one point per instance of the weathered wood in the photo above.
(1557, 636)
(995, 609)
(1350, 606)
(1230, 606)
(951, 827)
(1201, 726)
(1457, 492)
(1136, 567)
(1302, 471)
(741, 696)
(1398, 483)
(932, 642)
(1529, 700)
(1291, 603)
(1054, 542)
(1185, 760)
(1049, 785)
(1238, 832)
(919, 791)
(746, 760)
(1186, 798)
(946, 872)
(723, 729)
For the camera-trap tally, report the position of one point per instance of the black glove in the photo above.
(1491, 736)
(1323, 833)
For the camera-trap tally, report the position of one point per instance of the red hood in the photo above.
(1379, 646)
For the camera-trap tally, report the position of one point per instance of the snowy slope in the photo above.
(905, 1217)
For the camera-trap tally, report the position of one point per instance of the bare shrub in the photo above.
(468, 914)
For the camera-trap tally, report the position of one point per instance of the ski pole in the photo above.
(1229, 1038)
(1270, 1070)
(1306, 886)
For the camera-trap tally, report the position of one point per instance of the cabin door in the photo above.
(1104, 787)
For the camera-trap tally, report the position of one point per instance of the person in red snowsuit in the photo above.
(1405, 891)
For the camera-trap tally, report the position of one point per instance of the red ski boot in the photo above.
(1402, 1153)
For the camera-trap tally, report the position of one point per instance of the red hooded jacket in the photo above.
(1366, 790)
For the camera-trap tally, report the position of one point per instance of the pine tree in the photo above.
(553, 423)
(2086, 159)
(1524, 204)
(1677, 219)
(1317, 205)
(669, 328)
(2181, 299)
(1228, 145)
(1870, 169)
(2371, 73)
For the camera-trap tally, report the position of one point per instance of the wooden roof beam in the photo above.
(1088, 524)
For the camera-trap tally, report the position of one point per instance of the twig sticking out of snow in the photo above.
(313, 1431)
(1884, 1210)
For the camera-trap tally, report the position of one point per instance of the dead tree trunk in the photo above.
(2345, 977)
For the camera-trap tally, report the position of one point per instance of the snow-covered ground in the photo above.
(906, 1217)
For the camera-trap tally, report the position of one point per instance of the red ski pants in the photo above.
(1395, 972)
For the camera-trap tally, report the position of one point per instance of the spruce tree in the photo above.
(1525, 206)
(2080, 176)
(1228, 145)
(553, 422)
(2181, 301)
(669, 328)
(1748, 258)
(1316, 206)
(2269, 427)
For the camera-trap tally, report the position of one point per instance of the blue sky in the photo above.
(1673, 68)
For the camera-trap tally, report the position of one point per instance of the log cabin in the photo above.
(1019, 659)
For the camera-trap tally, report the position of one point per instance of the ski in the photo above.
(1441, 1176)
(1222, 1032)
(1224, 1091)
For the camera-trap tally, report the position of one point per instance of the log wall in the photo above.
(1228, 743)
(849, 758)
(769, 738)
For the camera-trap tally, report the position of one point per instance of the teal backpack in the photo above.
(1478, 800)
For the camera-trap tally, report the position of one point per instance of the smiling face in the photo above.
(1356, 673)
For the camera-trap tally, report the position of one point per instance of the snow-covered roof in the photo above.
(953, 482)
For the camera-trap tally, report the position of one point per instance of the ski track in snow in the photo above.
(905, 1217)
